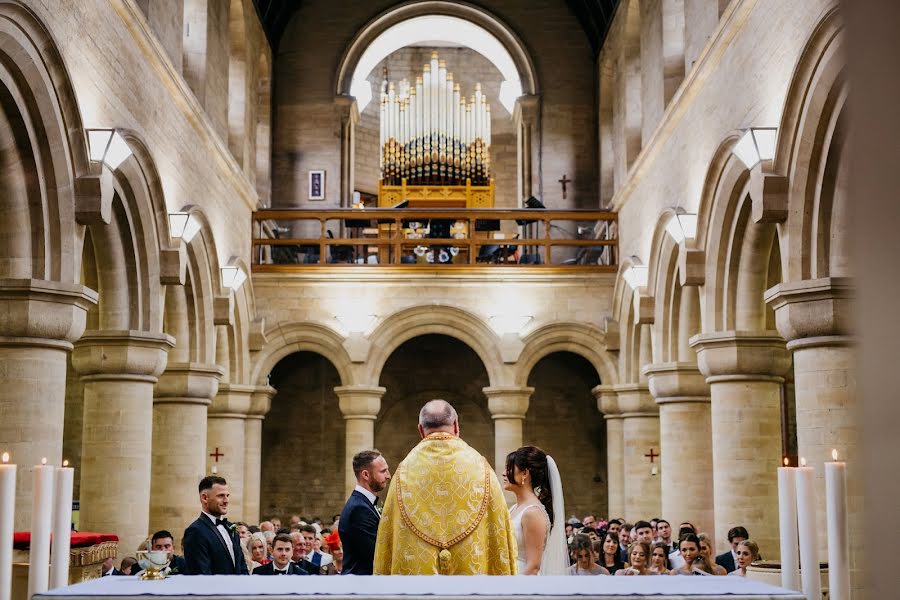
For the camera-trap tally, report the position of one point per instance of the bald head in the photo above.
(438, 416)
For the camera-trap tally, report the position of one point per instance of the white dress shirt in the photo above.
(372, 497)
(224, 534)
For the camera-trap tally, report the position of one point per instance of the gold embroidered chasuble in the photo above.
(445, 515)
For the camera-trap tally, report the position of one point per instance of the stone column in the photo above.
(508, 406)
(607, 403)
(39, 320)
(359, 405)
(260, 402)
(225, 445)
(744, 371)
(525, 115)
(118, 369)
(814, 317)
(685, 439)
(180, 402)
(349, 115)
(640, 432)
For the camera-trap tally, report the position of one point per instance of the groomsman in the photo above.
(282, 549)
(211, 544)
(359, 520)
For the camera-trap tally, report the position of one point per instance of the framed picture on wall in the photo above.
(317, 185)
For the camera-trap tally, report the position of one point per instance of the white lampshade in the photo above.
(108, 147)
(183, 225)
(356, 322)
(635, 275)
(233, 277)
(757, 144)
(682, 226)
(504, 324)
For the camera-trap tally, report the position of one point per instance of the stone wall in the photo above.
(563, 420)
(308, 134)
(303, 441)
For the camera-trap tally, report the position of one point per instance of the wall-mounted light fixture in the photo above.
(636, 274)
(183, 225)
(233, 276)
(682, 226)
(504, 324)
(756, 145)
(108, 147)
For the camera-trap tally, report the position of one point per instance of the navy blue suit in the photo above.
(358, 529)
(206, 554)
(269, 569)
(726, 561)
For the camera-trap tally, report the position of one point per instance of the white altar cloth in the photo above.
(433, 587)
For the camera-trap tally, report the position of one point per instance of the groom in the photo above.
(443, 476)
(211, 544)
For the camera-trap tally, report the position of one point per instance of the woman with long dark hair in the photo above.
(537, 516)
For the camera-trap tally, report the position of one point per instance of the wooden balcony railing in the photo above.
(440, 239)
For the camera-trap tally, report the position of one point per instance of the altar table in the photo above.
(226, 587)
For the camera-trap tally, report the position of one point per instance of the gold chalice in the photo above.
(153, 562)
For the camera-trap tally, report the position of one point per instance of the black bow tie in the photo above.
(223, 522)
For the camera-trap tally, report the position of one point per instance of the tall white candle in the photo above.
(39, 558)
(836, 515)
(809, 539)
(787, 523)
(62, 527)
(7, 511)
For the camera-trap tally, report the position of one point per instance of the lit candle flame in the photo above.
(65, 463)
(44, 461)
(6, 457)
(786, 461)
(834, 454)
(802, 462)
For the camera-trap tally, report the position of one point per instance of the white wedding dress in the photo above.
(555, 560)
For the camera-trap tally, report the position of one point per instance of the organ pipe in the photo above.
(431, 134)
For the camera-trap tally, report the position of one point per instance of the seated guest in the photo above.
(333, 541)
(653, 523)
(689, 546)
(638, 559)
(706, 551)
(281, 562)
(243, 530)
(299, 553)
(256, 550)
(253, 528)
(162, 540)
(269, 536)
(747, 552)
(584, 559)
(702, 566)
(610, 558)
(267, 526)
(109, 568)
(295, 520)
(642, 532)
(276, 523)
(129, 566)
(313, 554)
(659, 558)
(664, 530)
(728, 560)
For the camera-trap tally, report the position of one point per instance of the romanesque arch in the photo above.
(445, 320)
(286, 339)
(578, 338)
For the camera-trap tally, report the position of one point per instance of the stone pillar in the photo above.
(640, 432)
(744, 371)
(39, 320)
(607, 403)
(349, 115)
(260, 402)
(359, 405)
(813, 316)
(225, 445)
(508, 406)
(525, 115)
(118, 369)
(180, 402)
(685, 439)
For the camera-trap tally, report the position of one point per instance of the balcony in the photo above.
(438, 240)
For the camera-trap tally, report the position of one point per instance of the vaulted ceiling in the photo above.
(593, 15)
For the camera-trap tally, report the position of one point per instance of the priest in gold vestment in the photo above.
(445, 513)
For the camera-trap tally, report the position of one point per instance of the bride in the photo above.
(537, 516)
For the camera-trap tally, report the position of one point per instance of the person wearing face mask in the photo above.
(747, 552)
